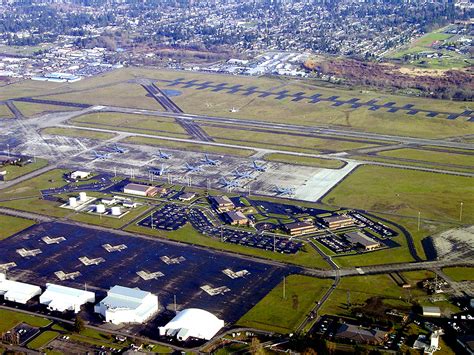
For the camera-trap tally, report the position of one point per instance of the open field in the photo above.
(29, 109)
(281, 141)
(406, 192)
(307, 257)
(10, 225)
(5, 112)
(9, 319)
(14, 171)
(72, 132)
(36, 205)
(361, 288)
(132, 123)
(195, 147)
(42, 339)
(283, 315)
(460, 273)
(31, 187)
(431, 156)
(309, 161)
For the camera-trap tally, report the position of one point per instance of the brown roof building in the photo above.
(339, 221)
(300, 228)
(236, 218)
(359, 239)
(222, 203)
(360, 335)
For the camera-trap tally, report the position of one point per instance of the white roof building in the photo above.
(61, 298)
(18, 292)
(78, 174)
(192, 323)
(127, 305)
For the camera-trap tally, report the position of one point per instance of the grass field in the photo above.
(14, 171)
(42, 339)
(308, 257)
(283, 315)
(31, 187)
(72, 132)
(132, 123)
(361, 288)
(10, 225)
(29, 109)
(308, 161)
(460, 273)
(108, 222)
(405, 193)
(5, 112)
(281, 141)
(195, 147)
(9, 319)
(431, 156)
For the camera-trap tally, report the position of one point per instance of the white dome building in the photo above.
(192, 323)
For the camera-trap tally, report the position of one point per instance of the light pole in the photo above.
(419, 220)
(8, 150)
(460, 212)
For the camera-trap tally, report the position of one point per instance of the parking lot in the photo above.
(183, 280)
(168, 217)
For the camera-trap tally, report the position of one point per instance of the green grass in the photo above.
(42, 339)
(460, 273)
(405, 193)
(29, 109)
(273, 313)
(9, 319)
(10, 225)
(361, 288)
(281, 141)
(14, 171)
(196, 147)
(81, 133)
(37, 205)
(31, 187)
(108, 222)
(189, 235)
(5, 112)
(308, 161)
(132, 123)
(431, 156)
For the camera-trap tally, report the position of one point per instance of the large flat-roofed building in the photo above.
(236, 218)
(360, 335)
(61, 298)
(340, 221)
(78, 174)
(300, 228)
(429, 311)
(127, 305)
(361, 240)
(192, 323)
(18, 292)
(222, 203)
(140, 190)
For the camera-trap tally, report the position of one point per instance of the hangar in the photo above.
(140, 190)
(127, 305)
(18, 292)
(192, 323)
(61, 298)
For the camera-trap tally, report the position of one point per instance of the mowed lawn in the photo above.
(302, 160)
(406, 192)
(432, 156)
(283, 315)
(14, 171)
(460, 273)
(81, 133)
(9, 319)
(10, 225)
(43, 339)
(31, 187)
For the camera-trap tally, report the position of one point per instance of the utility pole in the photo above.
(460, 212)
(274, 243)
(151, 219)
(115, 171)
(222, 234)
(175, 308)
(419, 220)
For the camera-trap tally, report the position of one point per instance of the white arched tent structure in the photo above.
(192, 323)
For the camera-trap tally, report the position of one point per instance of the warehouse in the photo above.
(361, 240)
(300, 228)
(236, 218)
(222, 204)
(340, 221)
(18, 292)
(127, 305)
(61, 298)
(76, 175)
(192, 323)
(431, 311)
(140, 190)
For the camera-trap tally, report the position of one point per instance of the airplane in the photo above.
(164, 155)
(242, 175)
(209, 161)
(229, 184)
(117, 149)
(257, 167)
(284, 190)
(159, 171)
(193, 168)
(101, 156)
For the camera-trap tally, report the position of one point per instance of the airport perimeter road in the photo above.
(300, 128)
(334, 274)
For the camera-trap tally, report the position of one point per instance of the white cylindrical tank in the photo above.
(82, 196)
(100, 209)
(116, 211)
(72, 202)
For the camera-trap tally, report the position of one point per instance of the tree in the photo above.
(256, 347)
(79, 325)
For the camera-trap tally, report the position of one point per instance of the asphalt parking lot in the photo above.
(168, 217)
(183, 280)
